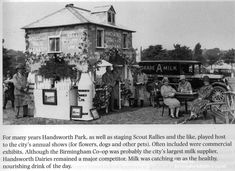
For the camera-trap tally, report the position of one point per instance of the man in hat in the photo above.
(184, 86)
(109, 80)
(117, 78)
(140, 81)
(21, 90)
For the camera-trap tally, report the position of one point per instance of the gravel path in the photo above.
(145, 115)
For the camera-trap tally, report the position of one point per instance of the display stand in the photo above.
(54, 103)
(59, 111)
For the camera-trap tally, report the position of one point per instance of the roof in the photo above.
(104, 8)
(171, 61)
(71, 15)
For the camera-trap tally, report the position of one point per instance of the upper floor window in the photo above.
(111, 17)
(54, 44)
(124, 41)
(100, 37)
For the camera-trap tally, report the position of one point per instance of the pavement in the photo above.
(137, 115)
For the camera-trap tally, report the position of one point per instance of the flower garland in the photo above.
(80, 62)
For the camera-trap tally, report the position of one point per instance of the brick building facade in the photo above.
(76, 30)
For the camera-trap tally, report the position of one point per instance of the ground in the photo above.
(145, 115)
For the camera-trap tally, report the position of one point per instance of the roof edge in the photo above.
(82, 24)
(43, 18)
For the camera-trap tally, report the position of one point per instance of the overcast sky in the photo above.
(187, 23)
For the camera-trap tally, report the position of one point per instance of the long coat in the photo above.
(140, 82)
(21, 96)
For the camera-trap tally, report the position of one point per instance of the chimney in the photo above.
(69, 5)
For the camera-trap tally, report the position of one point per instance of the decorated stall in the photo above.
(63, 87)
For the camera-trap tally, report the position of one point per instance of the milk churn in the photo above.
(86, 94)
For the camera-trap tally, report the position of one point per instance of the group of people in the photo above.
(112, 78)
(198, 106)
(140, 79)
(16, 90)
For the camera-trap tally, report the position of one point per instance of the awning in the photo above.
(104, 63)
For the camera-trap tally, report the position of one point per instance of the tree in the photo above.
(181, 53)
(229, 57)
(6, 60)
(197, 54)
(212, 56)
(155, 52)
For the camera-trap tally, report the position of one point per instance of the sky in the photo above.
(212, 24)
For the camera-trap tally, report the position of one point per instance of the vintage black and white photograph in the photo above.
(134, 62)
(94, 113)
(75, 112)
(49, 97)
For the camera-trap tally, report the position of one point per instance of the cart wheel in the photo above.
(218, 94)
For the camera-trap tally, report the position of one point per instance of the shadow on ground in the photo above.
(145, 115)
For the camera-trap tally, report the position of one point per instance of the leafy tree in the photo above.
(229, 57)
(16, 57)
(181, 53)
(197, 54)
(154, 53)
(6, 60)
(114, 55)
(212, 56)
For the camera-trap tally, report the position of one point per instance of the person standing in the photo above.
(155, 88)
(117, 79)
(8, 90)
(21, 90)
(141, 80)
(109, 80)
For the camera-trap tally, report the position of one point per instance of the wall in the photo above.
(112, 38)
(74, 39)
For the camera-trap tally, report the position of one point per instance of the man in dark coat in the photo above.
(110, 81)
(21, 90)
(8, 90)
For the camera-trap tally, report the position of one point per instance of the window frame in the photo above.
(124, 46)
(102, 41)
(49, 48)
(112, 15)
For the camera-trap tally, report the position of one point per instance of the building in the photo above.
(76, 30)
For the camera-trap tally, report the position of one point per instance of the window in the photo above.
(54, 44)
(100, 38)
(111, 17)
(124, 39)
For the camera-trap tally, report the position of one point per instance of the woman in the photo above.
(21, 90)
(184, 86)
(204, 95)
(168, 93)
